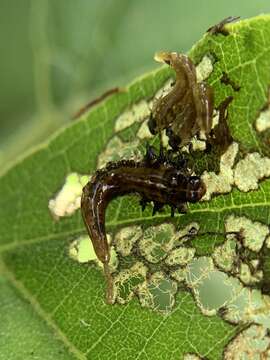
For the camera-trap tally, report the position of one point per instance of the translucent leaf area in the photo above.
(183, 287)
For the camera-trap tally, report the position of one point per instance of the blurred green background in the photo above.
(56, 55)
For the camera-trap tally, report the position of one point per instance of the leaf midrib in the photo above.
(115, 224)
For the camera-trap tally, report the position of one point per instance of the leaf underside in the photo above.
(59, 296)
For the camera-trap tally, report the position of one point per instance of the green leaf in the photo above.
(65, 296)
(24, 335)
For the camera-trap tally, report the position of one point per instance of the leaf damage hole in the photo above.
(245, 175)
(156, 248)
(251, 344)
(253, 233)
(216, 292)
(137, 113)
(250, 170)
(116, 149)
(141, 110)
(68, 199)
(157, 264)
(191, 356)
(221, 183)
(262, 122)
(158, 293)
(82, 251)
(204, 68)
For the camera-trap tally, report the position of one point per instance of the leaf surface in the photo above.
(68, 295)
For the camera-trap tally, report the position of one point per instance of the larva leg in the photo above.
(152, 125)
(174, 140)
(143, 203)
(150, 155)
(157, 207)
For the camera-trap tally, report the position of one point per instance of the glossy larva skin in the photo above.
(188, 108)
(163, 184)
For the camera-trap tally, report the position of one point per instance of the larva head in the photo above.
(165, 57)
(184, 188)
(195, 189)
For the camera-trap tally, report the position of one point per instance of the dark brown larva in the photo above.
(188, 108)
(159, 180)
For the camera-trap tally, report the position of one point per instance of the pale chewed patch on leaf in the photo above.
(159, 240)
(204, 68)
(252, 343)
(158, 293)
(154, 288)
(221, 183)
(82, 250)
(198, 276)
(263, 121)
(126, 237)
(246, 305)
(126, 282)
(227, 258)
(197, 144)
(68, 199)
(137, 113)
(189, 230)
(117, 150)
(180, 256)
(216, 292)
(144, 132)
(191, 356)
(225, 255)
(250, 170)
(253, 233)
(249, 277)
(246, 174)
(180, 274)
